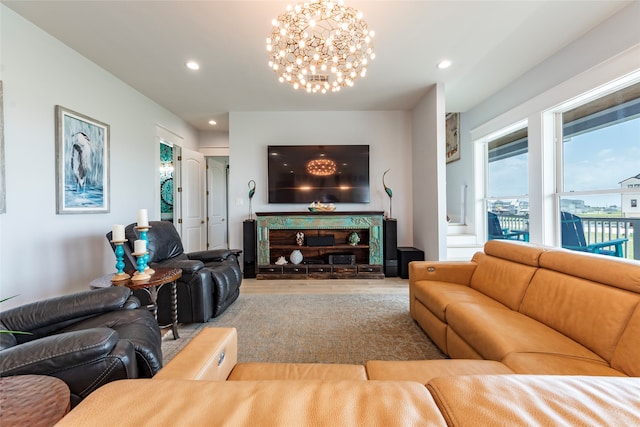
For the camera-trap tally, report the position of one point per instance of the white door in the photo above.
(192, 195)
(217, 202)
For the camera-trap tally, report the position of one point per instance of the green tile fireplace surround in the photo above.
(326, 248)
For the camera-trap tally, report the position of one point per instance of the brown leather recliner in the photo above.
(210, 280)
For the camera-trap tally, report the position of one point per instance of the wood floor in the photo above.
(388, 285)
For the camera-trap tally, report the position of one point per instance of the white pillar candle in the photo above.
(140, 246)
(118, 233)
(143, 218)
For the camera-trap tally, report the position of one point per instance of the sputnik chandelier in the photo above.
(320, 46)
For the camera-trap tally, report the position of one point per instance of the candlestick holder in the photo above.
(119, 251)
(141, 274)
(143, 236)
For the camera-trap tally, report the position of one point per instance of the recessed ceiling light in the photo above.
(212, 122)
(193, 65)
(444, 64)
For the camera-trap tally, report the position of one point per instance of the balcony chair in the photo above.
(85, 339)
(210, 280)
(573, 238)
(497, 232)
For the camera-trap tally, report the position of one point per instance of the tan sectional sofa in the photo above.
(191, 391)
(537, 310)
(516, 304)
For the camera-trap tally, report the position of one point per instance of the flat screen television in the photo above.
(322, 173)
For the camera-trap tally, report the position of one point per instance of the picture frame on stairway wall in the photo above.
(82, 163)
(452, 125)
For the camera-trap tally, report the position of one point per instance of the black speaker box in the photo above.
(390, 247)
(328, 240)
(348, 259)
(249, 248)
(405, 256)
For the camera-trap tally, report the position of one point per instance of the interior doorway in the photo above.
(191, 194)
(217, 202)
(166, 181)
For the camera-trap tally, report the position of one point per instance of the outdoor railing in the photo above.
(603, 229)
(596, 230)
(514, 222)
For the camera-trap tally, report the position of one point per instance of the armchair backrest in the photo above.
(6, 339)
(494, 228)
(572, 230)
(164, 240)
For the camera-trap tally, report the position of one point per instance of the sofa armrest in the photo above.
(210, 256)
(522, 400)
(459, 272)
(187, 266)
(210, 355)
(63, 310)
(51, 354)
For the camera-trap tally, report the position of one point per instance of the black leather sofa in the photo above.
(86, 339)
(210, 280)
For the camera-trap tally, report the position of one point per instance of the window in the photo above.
(600, 167)
(508, 186)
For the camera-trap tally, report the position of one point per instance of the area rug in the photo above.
(349, 328)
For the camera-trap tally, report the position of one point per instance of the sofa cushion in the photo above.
(495, 332)
(503, 280)
(556, 364)
(297, 371)
(626, 358)
(616, 272)
(528, 400)
(437, 296)
(424, 371)
(256, 404)
(592, 314)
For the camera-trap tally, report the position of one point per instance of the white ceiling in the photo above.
(146, 44)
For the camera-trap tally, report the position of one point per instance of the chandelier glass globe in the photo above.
(320, 46)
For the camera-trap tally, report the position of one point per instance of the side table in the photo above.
(32, 400)
(160, 277)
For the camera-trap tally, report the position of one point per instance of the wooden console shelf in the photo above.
(276, 236)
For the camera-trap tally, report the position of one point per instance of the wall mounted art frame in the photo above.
(82, 163)
(452, 125)
(3, 187)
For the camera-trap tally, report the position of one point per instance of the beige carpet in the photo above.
(318, 328)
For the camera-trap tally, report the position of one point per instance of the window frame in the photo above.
(558, 112)
(481, 147)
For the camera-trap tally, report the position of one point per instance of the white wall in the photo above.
(45, 254)
(613, 37)
(388, 133)
(214, 143)
(429, 183)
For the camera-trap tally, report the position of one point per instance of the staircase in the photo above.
(461, 242)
